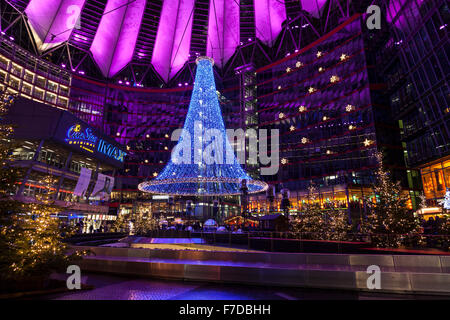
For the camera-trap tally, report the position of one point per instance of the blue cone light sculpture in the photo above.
(203, 162)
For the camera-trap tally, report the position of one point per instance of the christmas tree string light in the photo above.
(318, 224)
(188, 172)
(389, 220)
(30, 234)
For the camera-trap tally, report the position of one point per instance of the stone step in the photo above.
(313, 276)
(386, 262)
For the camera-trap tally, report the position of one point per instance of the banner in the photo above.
(103, 187)
(83, 182)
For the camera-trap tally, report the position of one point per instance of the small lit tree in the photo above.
(338, 226)
(30, 234)
(144, 224)
(316, 224)
(389, 219)
(36, 238)
(422, 201)
(312, 222)
(444, 223)
(122, 223)
(444, 227)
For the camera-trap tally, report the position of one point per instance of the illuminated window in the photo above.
(428, 186)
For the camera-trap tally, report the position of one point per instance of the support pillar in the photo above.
(63, 174)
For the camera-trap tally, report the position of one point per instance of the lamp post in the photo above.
(170, 202)
(285, 203)
(270, 195)
(189, 210)
(216, 209)
(244, 199)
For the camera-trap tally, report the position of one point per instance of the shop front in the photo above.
(436, 180)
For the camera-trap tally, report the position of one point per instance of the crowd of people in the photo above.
(432, 226)
(82, 227)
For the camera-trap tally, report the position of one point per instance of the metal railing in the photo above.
(411, 241)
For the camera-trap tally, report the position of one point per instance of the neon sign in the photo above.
(110, 150)
(88, 141)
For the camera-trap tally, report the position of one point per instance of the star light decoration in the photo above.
(334, 79)
(281, 115)
(367, 142)
(319, 54)
(284, 161)
(187, 173)
(305, 140)
(301, 109)
(344, 57)
(292, 128)
(298, 64)
(312, 90)
(349, 108)
(288, 69)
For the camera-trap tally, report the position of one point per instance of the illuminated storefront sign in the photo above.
(110, 150)
(83, 137)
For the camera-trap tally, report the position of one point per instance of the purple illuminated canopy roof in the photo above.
(223, 30)
(116, 36)
(269, 15)
(174, 37)
(313, 6)
(115, 29)
(52, 21)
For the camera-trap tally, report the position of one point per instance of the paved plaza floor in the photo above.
(109, 287)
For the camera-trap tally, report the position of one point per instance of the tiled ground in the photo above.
(122, 288)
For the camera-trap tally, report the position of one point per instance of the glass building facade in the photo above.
(415, 62)
(335, 91)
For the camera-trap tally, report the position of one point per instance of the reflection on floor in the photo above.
(124, 288)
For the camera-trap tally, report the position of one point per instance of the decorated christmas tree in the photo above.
(446, 201)
(144, 224)
(311, 223)
(123, 223)
(444, 223)
(203, 161)
(8, 178)
(30, 234)
(389, 220)
(338, 226)
(315, 223)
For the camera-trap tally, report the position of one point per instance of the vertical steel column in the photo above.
(63, 174)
